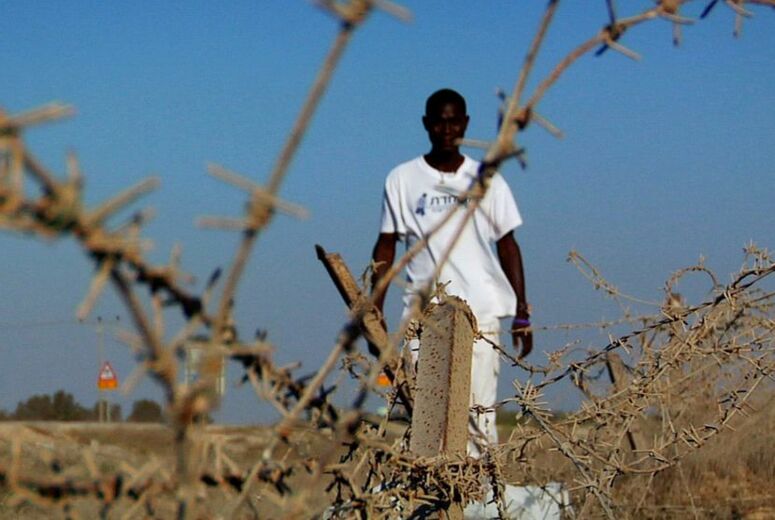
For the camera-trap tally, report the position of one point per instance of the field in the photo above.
(141, 455)
(733, 477)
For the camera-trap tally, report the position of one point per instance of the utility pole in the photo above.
(102, 411)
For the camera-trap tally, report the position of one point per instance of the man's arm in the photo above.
(383, 255)
(510, 258)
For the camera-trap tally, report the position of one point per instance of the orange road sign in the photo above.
(383, 380)
(107, 380)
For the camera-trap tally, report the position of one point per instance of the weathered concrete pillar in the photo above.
(443, 385)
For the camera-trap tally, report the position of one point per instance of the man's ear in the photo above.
(425, 122)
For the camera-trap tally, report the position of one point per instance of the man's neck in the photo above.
(444, 161)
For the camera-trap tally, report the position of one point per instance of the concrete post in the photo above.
(443, 387)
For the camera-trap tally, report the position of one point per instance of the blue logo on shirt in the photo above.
(421, 205)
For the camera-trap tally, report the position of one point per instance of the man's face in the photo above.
(445, 125)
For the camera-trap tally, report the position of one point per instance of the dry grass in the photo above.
(141, 455)
(732, 477)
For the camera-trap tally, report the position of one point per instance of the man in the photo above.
(418, 195)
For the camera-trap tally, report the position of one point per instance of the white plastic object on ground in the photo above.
(524, 503)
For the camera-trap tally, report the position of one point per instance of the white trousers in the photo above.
(485, 366)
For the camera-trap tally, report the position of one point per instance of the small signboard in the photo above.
(107, 379)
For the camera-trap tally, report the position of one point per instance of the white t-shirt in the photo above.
(417, 197)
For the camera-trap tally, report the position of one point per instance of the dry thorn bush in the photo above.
(685, 376)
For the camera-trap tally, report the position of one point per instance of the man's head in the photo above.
(438, 99)
(445, 119)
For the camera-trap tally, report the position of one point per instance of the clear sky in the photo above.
(664, 160)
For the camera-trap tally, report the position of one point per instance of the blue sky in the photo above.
(664, 160)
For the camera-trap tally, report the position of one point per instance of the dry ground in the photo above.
(80, 451)
(733, 478)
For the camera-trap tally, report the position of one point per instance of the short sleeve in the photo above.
(503, 212)
(392, 219)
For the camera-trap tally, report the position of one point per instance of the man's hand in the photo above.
(521, 333)
(510, 258)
